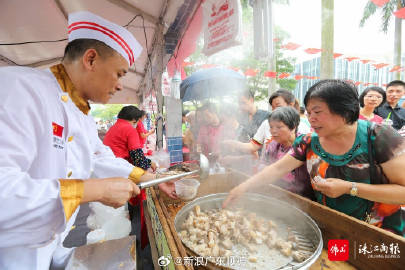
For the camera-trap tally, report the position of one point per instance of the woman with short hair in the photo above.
(338, 160)
(370, 99)
(283, 123)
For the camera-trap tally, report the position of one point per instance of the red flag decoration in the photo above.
(186, 64)
(400, 13)
(380, 65)
(380, 3)
(234, 68)
(366, 84)
(395, 69)
(384, 84)
(336, 55)
(312, 50)
(270, 74)
(351, 58)
(291, 46)
(365, 61)
(251, 72)
(299, 77)
(208, 66)
(357, 83)
(284, 75)
(312, 78)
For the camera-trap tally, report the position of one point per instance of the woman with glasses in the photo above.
(370, 99)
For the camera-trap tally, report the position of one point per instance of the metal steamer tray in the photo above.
(284, 215)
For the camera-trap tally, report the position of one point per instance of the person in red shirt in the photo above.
(143, 133)
(123, 139)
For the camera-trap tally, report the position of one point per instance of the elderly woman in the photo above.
(336, 155)
(284, 122)
(210, 130)
(370, 99)
(280, 98)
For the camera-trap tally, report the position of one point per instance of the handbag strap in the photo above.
(372, 166)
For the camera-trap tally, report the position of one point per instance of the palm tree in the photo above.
(386, 15)
(327, 60)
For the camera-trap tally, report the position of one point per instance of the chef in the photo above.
(51, 158)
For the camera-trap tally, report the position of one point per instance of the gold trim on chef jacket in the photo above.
(67, 86)
(71, 192)
(136, 174)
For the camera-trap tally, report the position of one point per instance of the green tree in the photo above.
(327, 36)
(106, 112)
(386, 15)
(259, 84)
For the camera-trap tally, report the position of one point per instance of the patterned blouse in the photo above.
(352, 166)
(298, 180)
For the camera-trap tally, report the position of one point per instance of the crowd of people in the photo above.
(352, 155)
(330, 153)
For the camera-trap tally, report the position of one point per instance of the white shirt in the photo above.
(263, 133)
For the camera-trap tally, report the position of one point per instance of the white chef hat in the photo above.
(86, 25)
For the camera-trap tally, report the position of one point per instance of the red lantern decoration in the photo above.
(270, 74)
(400, 13)
(351, 58)
(312, 50)
(380, 65)
(291, 46)
(284, 75)
(380, 3)
(251, 72)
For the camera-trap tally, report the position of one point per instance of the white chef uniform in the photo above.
(45, 140)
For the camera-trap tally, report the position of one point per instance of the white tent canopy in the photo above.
(46, 20)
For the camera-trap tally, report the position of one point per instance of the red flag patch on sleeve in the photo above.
(57, 129)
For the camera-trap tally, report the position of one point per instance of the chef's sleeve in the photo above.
(105, 164)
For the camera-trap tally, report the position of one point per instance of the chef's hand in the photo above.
(169, 189)
(234, 194)
(332, 187)
(114, 192)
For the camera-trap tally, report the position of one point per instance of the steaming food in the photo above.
(216, 232)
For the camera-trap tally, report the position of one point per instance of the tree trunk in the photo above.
(397, 42)
(327, 60)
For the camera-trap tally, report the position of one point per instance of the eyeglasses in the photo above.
(371, 96)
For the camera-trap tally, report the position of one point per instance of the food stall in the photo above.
(362, 239)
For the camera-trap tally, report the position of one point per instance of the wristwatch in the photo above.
(353, 190)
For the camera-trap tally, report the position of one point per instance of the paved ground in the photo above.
(77, 237)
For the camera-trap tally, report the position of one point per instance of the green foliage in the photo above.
(386, 13)
(106, 112)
